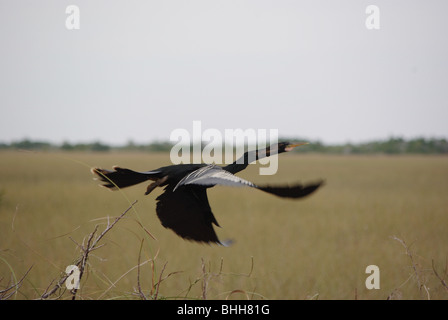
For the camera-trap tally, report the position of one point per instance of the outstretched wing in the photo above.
(214, 175)
(294, 191)
(187, 212)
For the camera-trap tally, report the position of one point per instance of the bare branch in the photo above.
(140, 292)
(439, 277)
(160, 280)
(81, 262)
(5, 294)
(417, 271)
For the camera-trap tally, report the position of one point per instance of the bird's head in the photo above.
(287, 146)
(279, 148)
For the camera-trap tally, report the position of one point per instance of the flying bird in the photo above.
(183, 206)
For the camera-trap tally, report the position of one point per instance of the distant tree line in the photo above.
(389, 146)
(27, 144)
(392, 145)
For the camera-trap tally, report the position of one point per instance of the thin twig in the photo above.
(160, 280)
(110, 226)
(204, 281)
(121, 277)
(140, 292)
(4, 294)
(439, 277)
(238, 291)
(166, 277)
(81, 262)
(414, 266)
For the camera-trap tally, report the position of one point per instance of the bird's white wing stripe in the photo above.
(211, 175)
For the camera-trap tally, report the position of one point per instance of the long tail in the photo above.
(121, 177)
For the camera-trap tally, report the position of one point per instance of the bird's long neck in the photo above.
(249, 157)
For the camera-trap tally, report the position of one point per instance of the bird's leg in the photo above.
(155, 184)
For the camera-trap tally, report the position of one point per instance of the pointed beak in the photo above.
(289, 147)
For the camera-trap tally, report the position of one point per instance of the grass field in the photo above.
(315, 248)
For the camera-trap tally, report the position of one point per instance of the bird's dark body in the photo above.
(176, 172)
(183, 206)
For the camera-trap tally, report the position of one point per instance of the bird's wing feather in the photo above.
(212, 175)
(187, 212)
(295, 191)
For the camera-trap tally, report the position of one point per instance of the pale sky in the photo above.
(137, 70)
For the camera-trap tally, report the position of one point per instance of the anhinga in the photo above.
(183, 206)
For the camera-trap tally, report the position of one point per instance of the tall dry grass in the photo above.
(315, 248)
